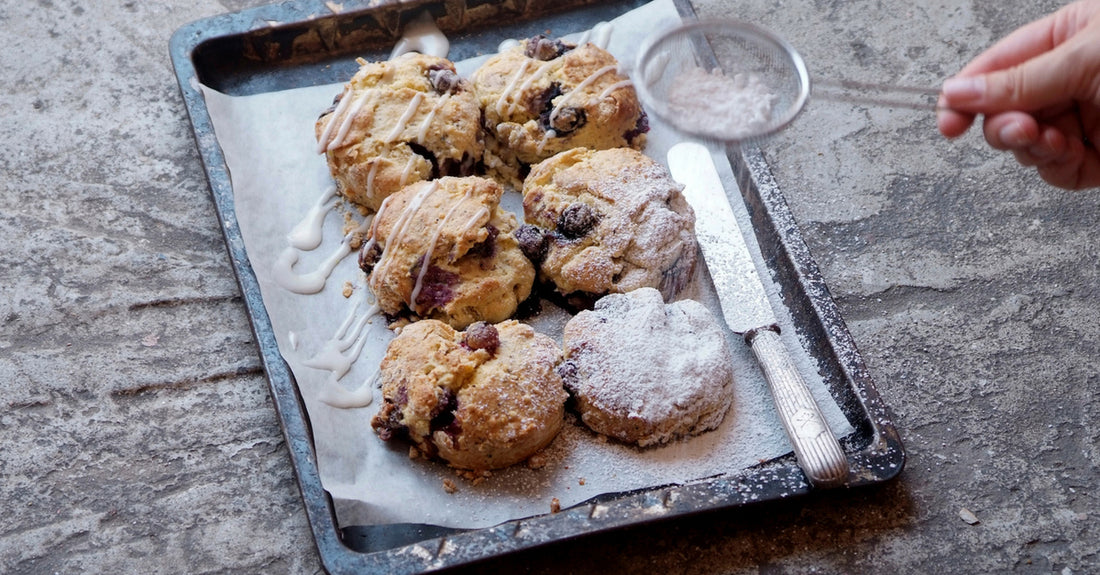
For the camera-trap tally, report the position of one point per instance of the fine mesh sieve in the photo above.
(724, 80)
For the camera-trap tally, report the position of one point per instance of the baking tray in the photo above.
(298, 44)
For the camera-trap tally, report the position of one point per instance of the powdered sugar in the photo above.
(648, 372)
(714, 104)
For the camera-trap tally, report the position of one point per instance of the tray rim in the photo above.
(881, 460)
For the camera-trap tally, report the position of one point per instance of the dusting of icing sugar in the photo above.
(665, 365)
(713, 103)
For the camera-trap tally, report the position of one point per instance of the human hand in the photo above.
(1039, 91)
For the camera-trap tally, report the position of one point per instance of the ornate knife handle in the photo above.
(817, 449)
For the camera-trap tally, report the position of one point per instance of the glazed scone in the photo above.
(645, 372)
(544, 96)
(607, 221)
(444, 249)
(398, 122)
(482, 399)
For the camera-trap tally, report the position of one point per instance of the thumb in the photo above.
(1043, 81)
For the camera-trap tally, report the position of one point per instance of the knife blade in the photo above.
(748, 313)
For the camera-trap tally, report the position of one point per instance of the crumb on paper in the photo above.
(348, 289)
(414, 453)
(968, 516)
(538, 460)
(581, 481)
(555, 505)
(334, 7)
(449, 486)
(474, 477)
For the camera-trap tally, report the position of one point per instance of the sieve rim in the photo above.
(725, 25)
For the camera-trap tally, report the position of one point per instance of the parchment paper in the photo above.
(278, 177)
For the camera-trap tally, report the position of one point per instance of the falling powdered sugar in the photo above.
(714, 104)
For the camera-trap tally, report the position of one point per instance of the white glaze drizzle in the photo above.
(473, 221)
(374, 166)
(340, 351)
(326, 134)
(507, 93)
(311, 282)
(422, 35)
(608, 90)
(401, 225)
(409, 165)
(426, 122)
(545, 139)
(307, 234)
(349, 118)
(431, 249)
(404, 120)
(569, 97)
(340, 398)
(527, 84)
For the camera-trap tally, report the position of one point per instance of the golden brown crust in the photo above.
(534, 109)
(401, 124)
(475, 269)
(477, 409)
(615, 219)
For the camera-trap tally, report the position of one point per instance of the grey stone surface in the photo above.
(136, 430)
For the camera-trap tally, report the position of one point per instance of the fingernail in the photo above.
(1013, 135)
(964, 90)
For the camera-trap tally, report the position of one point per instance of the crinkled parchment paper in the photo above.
(278, 178)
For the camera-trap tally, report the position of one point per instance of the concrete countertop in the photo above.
(137, 434)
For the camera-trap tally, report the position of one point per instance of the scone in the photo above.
(645, 372)
(607, 221)
(398, 122)
(483, 399)
(543, 96)
(444, 249)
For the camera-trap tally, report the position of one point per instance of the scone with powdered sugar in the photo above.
(645, 372)
(607, 221)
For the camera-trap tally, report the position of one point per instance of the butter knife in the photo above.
(748, 313)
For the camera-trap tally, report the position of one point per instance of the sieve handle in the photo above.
(886, 95)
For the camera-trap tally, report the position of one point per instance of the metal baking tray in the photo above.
(306, 43)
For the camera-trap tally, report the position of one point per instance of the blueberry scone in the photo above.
(607, 221)
(444, 249)
(481, 399)
(646, 372)
(544, 96)
(398, 122)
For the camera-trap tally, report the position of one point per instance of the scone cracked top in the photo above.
(607, 221)
(444, 249)
(544, 96)
(397, 122)
(626, 389)
(481, 399)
